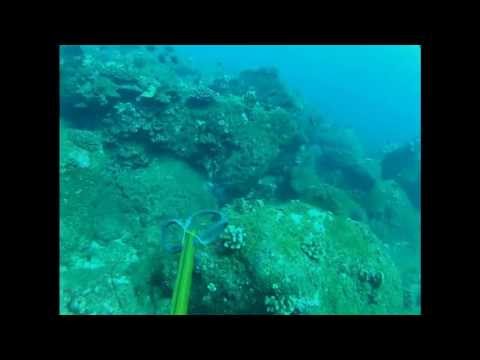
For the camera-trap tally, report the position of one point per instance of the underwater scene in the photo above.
(227, 180)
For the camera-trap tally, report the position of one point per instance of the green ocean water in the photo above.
(227, 180)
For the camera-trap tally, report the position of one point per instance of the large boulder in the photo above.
(322, 191)
(391, 214)
(402, 164)
(340, 158)
(267, 86)
(290, 259)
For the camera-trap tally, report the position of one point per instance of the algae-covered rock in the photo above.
(341, 158)
(80, 180)
(268, 87)
(110, 222)
(402, 164)
(296, 259)
(166, 188)
(396, 222)
(309, 187)
(98, 281)
(392, 216)
(87, 140)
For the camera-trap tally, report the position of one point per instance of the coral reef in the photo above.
(234, 237)
(231, 131)
(312, 248)
(314, 225)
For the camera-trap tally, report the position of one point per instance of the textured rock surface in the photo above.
(313, 223)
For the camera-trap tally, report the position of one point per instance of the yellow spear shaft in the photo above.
(183, 284)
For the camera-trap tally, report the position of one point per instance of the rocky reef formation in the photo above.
(314, 224)
(237, 131)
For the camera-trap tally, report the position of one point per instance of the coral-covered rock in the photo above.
(171, 187)
(201, 97)
(129, 91)
(125, 121)
(132, 155)
(297, 260)
(87, 140)
(268, 88)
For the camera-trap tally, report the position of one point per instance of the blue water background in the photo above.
(374, 89)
